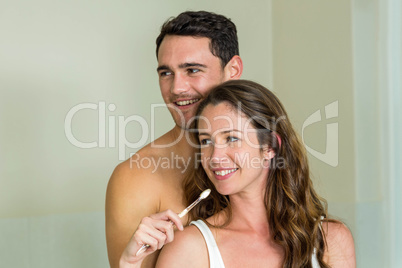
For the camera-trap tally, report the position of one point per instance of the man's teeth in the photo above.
(187, 102)
(224, 172)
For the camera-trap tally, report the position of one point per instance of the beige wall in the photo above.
(312, 63)
(348, 51)
(56, 55)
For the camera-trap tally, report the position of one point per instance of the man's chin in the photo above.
(184, 122)
(184, 126)
(184, 118)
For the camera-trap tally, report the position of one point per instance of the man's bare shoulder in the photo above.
(147, 165)
(132, 189)
(154, 169)
(131, 176)
(188, 247)
(136, 188)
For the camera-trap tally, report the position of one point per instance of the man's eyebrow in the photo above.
(162, 67)
(191, 64)
(182, 66)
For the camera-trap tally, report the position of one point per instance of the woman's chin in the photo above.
(224, 191)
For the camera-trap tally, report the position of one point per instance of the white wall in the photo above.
(55, 55)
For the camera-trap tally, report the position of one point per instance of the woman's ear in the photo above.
(268, 152)
(234, 68)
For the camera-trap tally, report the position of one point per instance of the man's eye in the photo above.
(162, 74)
(193, 71)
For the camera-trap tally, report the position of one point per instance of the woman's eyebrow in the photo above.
(231, 130)
(223, 132)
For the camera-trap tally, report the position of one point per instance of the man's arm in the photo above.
(131, 195)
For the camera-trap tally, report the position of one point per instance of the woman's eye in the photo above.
(205, 141)
(232, 139)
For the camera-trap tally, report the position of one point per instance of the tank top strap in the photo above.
(215, 258)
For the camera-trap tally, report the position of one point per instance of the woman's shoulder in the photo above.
(340, 249)
(187, 247)
(189, 236)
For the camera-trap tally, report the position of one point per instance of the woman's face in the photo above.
(230, 152)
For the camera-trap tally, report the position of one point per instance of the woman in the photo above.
(263, 210)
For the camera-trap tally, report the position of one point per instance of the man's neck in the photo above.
(181, 141)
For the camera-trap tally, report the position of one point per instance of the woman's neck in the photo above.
(249, 212)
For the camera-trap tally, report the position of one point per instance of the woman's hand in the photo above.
(155, 231)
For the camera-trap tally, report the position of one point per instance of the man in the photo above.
(195, 51)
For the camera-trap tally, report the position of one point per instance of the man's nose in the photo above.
(180, 84)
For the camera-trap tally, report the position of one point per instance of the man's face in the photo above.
(187, 72)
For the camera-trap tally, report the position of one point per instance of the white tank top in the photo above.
(215, 258)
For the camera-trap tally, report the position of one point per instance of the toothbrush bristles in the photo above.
(205, 193)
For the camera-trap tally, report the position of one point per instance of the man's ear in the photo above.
(234, 68)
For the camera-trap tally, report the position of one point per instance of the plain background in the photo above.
(55, 55)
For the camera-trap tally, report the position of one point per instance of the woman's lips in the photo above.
(222, 174)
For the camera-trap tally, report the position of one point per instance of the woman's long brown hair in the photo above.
(293, 208)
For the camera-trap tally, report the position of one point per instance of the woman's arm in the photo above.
(155, 231)
(340, 251)
(187, 250)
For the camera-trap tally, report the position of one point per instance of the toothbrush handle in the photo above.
(142, 250)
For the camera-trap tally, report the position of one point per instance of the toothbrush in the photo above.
(202, 196)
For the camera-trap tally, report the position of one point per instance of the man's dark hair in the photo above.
(219, 29)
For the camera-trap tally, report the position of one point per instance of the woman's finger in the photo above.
(155, 229)
(169, 215)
